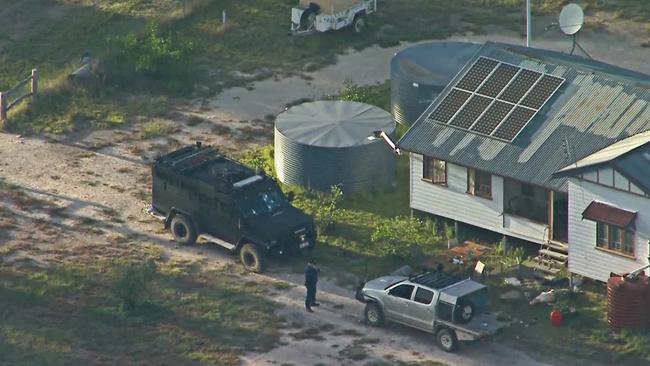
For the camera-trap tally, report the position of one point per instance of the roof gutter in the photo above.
(387, 140)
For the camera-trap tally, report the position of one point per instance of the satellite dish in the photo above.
(571, 19)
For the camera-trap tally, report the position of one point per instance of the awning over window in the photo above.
(602, 212)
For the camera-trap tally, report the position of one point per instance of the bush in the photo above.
(377, 95)
(260, 158)
(133, 284)
(395, 236)
(154, 55)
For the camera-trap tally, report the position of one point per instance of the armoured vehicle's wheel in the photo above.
(252, 258)
(464, 312)
(183, 230)
(373, 314)
(359, 23)
(447, 340)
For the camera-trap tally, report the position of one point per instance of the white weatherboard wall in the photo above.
(584, 258)
(453, 202)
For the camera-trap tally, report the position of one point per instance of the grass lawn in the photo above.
(252, 45)
(71, 314)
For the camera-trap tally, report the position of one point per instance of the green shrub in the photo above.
(260, 158)
(377, 95)
(133, 284)
(154, 55)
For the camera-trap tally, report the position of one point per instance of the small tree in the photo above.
(327, 208)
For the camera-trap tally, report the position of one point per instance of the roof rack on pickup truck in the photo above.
(434, 280)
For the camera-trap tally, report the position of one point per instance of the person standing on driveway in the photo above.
(311, 278)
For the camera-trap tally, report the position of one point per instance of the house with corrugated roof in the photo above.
(542, 146)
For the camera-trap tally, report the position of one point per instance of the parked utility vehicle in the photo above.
(453, 309)
(324, 15)
(197, 191)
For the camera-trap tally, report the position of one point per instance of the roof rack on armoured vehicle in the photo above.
(207, 164)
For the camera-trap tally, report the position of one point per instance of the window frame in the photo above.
(415, 295)
(625, 239)
(429, 170)
(400, 285)
(472, 180)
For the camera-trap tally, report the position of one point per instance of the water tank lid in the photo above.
(333, 123)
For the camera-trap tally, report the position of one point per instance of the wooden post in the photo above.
(34, 83)
(223, 17)
(3, 106)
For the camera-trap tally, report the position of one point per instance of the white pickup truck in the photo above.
(452, 309)
(324, 15)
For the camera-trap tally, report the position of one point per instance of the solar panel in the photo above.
(475, 76)
(449, 106)
(471, 111)
(492, 117)
(514, 123)
(498, 80)
(543, 90)
(519, 86)
(496, 98)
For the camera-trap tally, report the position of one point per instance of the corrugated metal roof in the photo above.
(598, 105)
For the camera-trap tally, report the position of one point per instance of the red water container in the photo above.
(628, 301)
(556, 318)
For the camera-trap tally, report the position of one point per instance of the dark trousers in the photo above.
(311, 296)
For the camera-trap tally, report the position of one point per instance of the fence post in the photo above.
(34, 83)
(3, 106)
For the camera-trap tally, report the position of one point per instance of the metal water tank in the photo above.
(628, 301)
(420, 72)
(326, 143)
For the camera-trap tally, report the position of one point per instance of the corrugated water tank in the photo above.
(326, 143)
(420, 72)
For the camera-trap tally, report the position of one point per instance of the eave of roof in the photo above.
(611, 152)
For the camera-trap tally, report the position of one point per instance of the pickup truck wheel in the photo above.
(447, 340)
(466, 312)
(252, 258)
(373, 314)
(182, 230)
(359, 24)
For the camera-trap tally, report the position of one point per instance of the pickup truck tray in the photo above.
(480, 326)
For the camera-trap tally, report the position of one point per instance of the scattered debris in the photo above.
(512, 281)
(544, 297)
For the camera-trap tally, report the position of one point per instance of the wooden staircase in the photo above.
(551, 258)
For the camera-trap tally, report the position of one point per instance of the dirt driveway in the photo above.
(95, 198)
(103, 178)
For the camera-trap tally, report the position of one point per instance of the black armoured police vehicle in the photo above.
(197, 191)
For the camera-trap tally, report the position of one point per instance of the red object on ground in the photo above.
(628, 301)
(556, 318)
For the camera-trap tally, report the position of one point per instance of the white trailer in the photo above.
(323, 15)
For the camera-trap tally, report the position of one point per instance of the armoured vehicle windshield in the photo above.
(259, 199)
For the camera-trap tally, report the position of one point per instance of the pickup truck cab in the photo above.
(451, 308)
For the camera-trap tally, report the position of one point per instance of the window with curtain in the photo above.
(479, 183)
(615, 238)
(434, 171)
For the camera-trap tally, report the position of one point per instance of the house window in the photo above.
(434, 171)
(479, 183)
(614, 238)
(525, 200)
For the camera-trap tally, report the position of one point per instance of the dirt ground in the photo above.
(96, 185)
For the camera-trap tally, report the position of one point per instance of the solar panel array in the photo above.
(496, 99)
